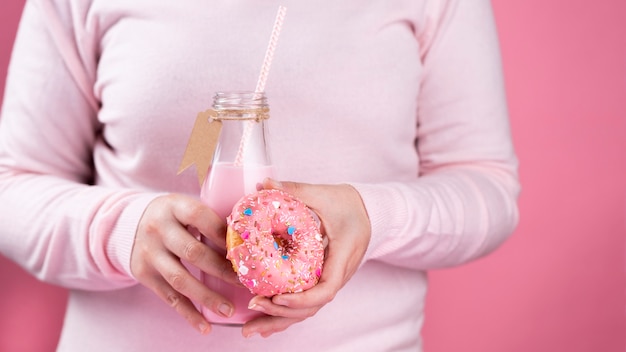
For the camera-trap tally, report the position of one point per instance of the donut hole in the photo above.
(284, 244)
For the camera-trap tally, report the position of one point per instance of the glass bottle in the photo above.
(241, 160)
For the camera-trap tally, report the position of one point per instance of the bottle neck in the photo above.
(243, 138)
(241, 106)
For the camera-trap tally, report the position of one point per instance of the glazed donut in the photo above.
(274, 243)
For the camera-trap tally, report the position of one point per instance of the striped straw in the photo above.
(260, 86)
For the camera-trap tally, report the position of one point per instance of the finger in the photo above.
(191, 212)
(267, 325)
(332, 280)
(307, 193)
(183, 283)
(184, 245)
(266, 306)
(311, 299)
(181, 304)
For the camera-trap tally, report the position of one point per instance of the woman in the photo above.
(388, 119)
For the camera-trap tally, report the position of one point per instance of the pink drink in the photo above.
(226, 184)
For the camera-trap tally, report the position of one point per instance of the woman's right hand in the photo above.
(163, 240)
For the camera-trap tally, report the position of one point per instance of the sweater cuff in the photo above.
(387, 212)
(120, 244)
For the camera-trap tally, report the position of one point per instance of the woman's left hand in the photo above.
(346, 227)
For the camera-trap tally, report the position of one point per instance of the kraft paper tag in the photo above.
(201, 144)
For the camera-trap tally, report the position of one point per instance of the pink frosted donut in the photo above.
(274, 243)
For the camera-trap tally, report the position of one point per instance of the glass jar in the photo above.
(241, 160)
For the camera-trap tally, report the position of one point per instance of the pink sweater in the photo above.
(403, 99)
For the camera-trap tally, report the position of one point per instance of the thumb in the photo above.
(307, 193)
(303, 191)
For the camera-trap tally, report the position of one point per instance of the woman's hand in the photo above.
(163, 240)
(346, 227)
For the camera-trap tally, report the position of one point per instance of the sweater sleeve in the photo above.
(463, 205)
(56, 224)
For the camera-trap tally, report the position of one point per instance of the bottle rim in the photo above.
(240, 100)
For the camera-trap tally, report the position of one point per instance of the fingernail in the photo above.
(204, 328)
(274, 183)
(256, 307)
(279, 301)
(225, 309)
(250, 334)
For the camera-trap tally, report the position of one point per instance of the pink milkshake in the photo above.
(240, 161)
(226, 184)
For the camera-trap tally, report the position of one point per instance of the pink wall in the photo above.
(30, 312)
(559, 283)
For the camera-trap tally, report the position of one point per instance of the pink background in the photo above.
(559, 284)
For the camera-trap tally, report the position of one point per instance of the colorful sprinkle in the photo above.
(242, 268)
(281, 265)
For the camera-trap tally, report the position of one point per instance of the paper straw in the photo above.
(260, 85)
(271, 47)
